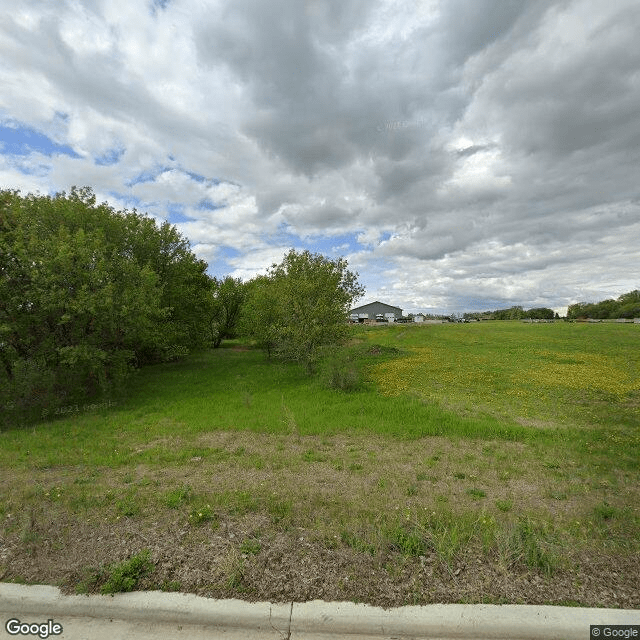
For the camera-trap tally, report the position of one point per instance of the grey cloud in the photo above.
(474, 148)
(315, 112)
(322, 217)
(563, 105)
(469, 27)
(498, 140)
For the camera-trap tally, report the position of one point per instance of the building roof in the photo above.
(388, 306)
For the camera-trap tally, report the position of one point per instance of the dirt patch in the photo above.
(294, 566)
(308, 517)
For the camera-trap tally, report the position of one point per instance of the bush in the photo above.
(125, 576)
(340, 371)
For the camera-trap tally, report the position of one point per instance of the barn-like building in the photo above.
(373, 309)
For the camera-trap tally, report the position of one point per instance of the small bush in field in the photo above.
(341, 372)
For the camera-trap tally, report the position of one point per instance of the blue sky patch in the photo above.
(195, 176)
(229, 252)
(158, 5)
(220, 267)
(40, 170)
(112, 156)
(177, 218)
(146, 176)
(283, 236)
(23, 141)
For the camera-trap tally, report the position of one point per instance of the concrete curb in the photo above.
(162, 615)
(156, 606)
(513, 622)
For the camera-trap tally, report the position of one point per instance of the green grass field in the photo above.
(488, 462)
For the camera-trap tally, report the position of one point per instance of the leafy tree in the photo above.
(87, 292)
(228, 296)
(629, 305)
(513, 313)
(261, 316)
(605, 309)
(577, 310)
(540, 313)
(301, 306)
(632, 296)
(626, 306)
(629, 310)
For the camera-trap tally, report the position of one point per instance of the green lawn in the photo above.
(492, 452)
(581, 378)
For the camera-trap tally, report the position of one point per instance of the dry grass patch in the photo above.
(429, 512)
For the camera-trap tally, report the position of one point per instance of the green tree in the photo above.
(626, 306)
(578, 310)
(539, 313)
(513, 313)
(85, 293)
(629, 305)
(228, 296)
(261, 317)
(605, 309)
(306, 301)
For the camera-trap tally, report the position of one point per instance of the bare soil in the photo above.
(331, 483)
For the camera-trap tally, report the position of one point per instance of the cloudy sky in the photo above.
(461, 154)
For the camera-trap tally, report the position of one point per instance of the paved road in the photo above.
(164, 616)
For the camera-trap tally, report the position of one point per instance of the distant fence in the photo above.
(620, 320)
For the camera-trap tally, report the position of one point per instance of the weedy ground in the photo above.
(491, 462)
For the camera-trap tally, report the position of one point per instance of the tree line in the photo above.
(514, 313)
(625, 306)
(88, 294)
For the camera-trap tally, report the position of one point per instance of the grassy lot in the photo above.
(493, 462)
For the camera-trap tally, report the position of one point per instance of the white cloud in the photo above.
(480, 152)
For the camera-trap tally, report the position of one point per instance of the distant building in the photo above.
(419, 317)
(373, 309)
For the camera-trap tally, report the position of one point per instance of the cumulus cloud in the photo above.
(463, 154)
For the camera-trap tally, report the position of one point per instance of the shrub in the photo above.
(124, 577)
(340, 371)
(300, 307)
